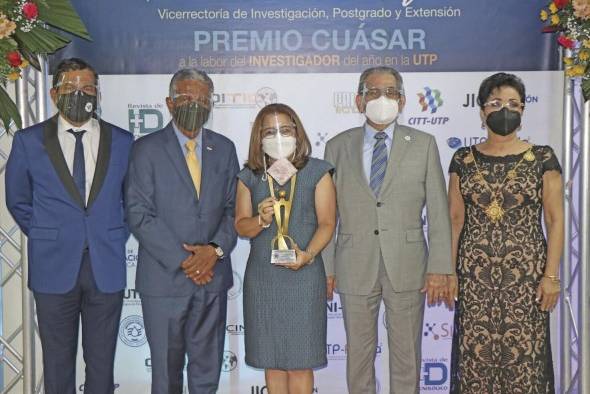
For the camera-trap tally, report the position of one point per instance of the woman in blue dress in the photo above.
(285, 304)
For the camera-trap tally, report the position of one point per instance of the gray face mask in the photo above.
(77, 106)
(191, 116)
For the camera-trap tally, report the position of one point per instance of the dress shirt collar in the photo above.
(63, 125)
(370, 132)
(182, 139)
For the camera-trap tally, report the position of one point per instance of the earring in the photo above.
(264, 177)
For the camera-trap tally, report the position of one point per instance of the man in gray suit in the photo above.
(180, 197)
(385, 174)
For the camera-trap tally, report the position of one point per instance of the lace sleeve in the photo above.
(457, 165)
(550, 161)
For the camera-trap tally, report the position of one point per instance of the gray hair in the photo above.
(190, 74)
(379, 70)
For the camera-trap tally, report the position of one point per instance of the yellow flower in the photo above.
(586, 43)
(552, 8)
(575, 71)
(7, 27)
(24, 64)
(543, 15)
(568, 61)
(13, 76)
(554, 19)
(584, 55)
(579, 70)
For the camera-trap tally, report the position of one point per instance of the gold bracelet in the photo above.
(553, 278)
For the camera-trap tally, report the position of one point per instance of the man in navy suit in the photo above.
(180, 196)
(64, 188)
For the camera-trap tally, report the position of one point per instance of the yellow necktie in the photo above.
(194, 167)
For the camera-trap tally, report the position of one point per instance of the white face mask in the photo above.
(278, 146)
(382, 110)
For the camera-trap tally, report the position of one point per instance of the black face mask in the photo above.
(191, 116)
(77, 106)
(504, 121)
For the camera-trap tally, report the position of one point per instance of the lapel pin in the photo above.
(209, 148)
(407, 138)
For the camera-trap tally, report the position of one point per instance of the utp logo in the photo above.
(145, 120)
(132, 331)
(430, 99)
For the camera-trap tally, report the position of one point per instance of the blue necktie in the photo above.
(79, 167)
(378, 163)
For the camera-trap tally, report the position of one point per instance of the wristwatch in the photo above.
(218, 250)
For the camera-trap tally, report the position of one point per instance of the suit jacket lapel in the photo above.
(355, 149)
(176, 155)
(396, 155)
(102, 161)
(56, 156)
(207, 163)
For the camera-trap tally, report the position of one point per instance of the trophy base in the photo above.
(283, 257)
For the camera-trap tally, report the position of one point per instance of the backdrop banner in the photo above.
(310, 56)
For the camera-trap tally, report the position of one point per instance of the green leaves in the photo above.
(40, 40)
(8, 110)
(586, 89)
(61, 15)
(43, 39)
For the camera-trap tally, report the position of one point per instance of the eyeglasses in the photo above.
(497, 104)
(71, 87)
(285, 130)
(390, 92)
(184, 98)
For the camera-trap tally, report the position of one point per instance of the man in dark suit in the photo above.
(180, 196)
(64, 188)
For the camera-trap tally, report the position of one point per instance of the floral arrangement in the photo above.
(571, 19)
(29, 29)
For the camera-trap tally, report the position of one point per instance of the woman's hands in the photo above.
(548, 293)
(266, 210)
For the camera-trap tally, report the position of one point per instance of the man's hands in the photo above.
(435, 287)
(200, 264)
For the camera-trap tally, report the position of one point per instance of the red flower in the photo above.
(14, 58)
(30, 10)
(566, 42)
(560, 3)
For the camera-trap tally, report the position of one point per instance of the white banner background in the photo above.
(325, 103)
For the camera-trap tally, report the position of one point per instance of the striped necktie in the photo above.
(378, 163)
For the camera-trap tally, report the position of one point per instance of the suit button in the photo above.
(376, 232)
(378, 204)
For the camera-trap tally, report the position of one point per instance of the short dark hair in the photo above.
(497, 81)
(72, 64)
(191, 74)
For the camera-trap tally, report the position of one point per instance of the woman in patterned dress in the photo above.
(285, 306)
(507, 273)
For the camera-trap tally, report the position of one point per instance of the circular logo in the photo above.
(88, 107)
(236, 289)
(266, 96)
(132, 332)
(230, 361)
(454, 142)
